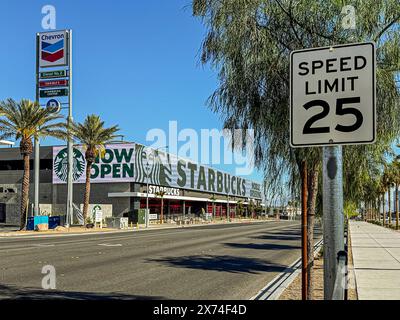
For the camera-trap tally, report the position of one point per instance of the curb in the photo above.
(274, 289)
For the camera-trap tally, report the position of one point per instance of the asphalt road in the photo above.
(210, 262)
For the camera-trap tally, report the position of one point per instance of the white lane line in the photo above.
(110, 244)
(43, 245)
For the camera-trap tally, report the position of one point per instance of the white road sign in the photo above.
(332, 95)
(153, 216)
(98, 215)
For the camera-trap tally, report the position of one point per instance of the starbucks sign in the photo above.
(132, 163)
(60, 165)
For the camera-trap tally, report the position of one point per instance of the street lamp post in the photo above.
(147, 194)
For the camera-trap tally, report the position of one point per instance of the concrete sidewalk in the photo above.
(376, 257)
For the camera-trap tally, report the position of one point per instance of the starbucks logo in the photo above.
(61, 164)
(158, 165)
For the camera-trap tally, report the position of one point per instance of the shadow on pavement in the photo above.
(26, 293)
(224, 263)
(284, 237)
(263, 246)
(291, 234)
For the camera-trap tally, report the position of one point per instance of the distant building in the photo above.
(119, 184)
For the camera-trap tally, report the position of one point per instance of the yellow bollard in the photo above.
(137, 225)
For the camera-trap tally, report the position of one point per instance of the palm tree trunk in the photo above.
(25, 192)
(390, 214)
(384, 210)
(312, 197)
(397, 206)
(86, 197)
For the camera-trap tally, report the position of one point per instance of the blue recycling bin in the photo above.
(54, 222)
(34, 221)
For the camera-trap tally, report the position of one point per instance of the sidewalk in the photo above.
(376, 256)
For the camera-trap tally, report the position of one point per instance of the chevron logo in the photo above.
(52, 51)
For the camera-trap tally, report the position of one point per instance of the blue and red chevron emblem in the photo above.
(52, 51)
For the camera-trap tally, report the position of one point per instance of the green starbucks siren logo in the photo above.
(61, 164)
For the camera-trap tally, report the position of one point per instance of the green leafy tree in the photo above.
(248, 42)
(24, 121)
(93, 136)
(239, 208)
(251, 208)
(161, 195)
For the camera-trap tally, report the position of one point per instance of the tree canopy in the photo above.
(248, 42)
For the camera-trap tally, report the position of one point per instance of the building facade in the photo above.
(128, 177)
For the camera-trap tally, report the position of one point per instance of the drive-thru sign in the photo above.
(332, 95)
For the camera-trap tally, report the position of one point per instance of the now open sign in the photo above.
(332, 95)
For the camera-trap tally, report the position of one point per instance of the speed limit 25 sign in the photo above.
(332, 95)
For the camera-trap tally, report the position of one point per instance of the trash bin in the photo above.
(34, 221)
(54, 222)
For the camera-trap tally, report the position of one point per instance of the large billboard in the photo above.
(129, 163)
(53, 49)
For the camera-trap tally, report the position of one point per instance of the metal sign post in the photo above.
(333, 218)
(54, 49)
(70, 142)
(36, 163)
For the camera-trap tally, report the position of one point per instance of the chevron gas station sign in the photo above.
(53, 49)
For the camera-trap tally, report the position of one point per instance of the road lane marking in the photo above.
(110, 244)
(88, 241)
(43, 245)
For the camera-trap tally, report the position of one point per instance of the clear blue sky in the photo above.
(136, 63)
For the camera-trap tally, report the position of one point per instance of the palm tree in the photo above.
(24, 121)
(382, 191)
(93, 136)
(388, 180)
(396, 180)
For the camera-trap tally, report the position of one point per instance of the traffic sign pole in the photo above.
(333, 220)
